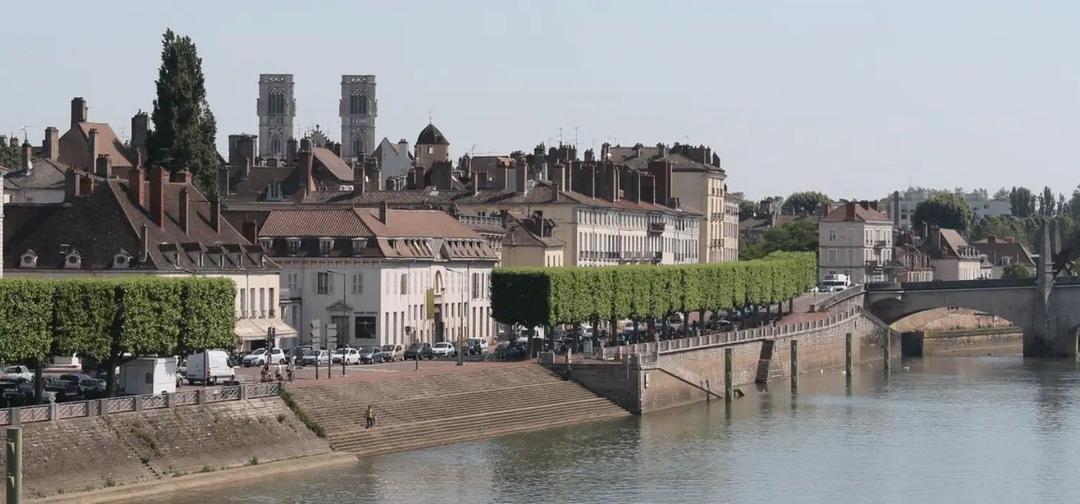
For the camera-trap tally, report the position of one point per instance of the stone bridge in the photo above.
(1049, 317)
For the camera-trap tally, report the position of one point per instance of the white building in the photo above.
(855, 239)
(953, 259)
(904, 203)
(381, 276)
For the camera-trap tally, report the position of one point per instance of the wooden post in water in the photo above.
(14, 465)
(887, 340)
(728, 386)
(794, 364)
(847, 354)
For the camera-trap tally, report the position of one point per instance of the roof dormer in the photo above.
(122, 260)
(72, 259)
(28, 259)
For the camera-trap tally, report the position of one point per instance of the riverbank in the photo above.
(1007, 339)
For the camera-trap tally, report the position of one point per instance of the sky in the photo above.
(853, 98)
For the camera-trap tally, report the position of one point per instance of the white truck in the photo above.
(148, 375)
(208, 367)
(835, 282)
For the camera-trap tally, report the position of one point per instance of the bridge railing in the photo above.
(960, 284)
(835, 298)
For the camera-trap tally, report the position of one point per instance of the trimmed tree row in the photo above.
(551, 296)
(113, 320)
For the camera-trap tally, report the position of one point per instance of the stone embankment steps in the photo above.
(443, 409)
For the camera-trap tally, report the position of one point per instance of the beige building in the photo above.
(528, 241)
(953, 259)
(855, 239)
(730, 237)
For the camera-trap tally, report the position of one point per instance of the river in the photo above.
(942, 429)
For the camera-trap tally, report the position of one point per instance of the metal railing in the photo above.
(127, 404)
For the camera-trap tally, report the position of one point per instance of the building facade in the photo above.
(901, 205)
(358, 109)
(953, 259)
(276, 108)
(381, 276)
(730, 244)
(855, 239)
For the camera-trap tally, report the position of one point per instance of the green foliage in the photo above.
(10, 157)
(805, 202)
(798, 236)
(1024, 230)
(203, 324)
(1022, 202)
(548, 296)
(309, 422)
(150, 314)
(945, 210)
(747, 209)
(85, 317)
(184, 126)
(1016, 271)
(25, 319)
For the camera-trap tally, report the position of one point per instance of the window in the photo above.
(275, 145)
(251, 299)
(324, 246)
(404, 284)
(358, 105)
(292, 281)
(365, 327)
(272, 302)
(832, 235)
(430, 150)
(293, 245)
(357, 283)
(243, 303)
(276, 104)
(357, 146)
(322, 283)
(475, 285)
(262, 302)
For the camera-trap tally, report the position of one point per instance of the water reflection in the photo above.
(956, 429)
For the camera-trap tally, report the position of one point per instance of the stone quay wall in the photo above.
(81, 454)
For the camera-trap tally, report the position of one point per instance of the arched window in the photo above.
(358, 104)
(275, 145)
(357, 146)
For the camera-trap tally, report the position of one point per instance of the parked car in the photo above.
(372, 355)
(676, 321)
(85, 385)
(317, 357)
(511, 351)
(17, 373)
(444, 349)
(208, 367)
(259, 357)
(299, 352)
(419, 351)
(475, 346)
(393, 352)
(349, 355)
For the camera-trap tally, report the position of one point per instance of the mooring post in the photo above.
(847, 354)
(887, 339)
(794, 364)
(728, 386)
(14, 465)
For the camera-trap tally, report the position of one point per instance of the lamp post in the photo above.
(465, 276)
(344, 285)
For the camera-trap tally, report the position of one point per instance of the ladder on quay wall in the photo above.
(764, 360)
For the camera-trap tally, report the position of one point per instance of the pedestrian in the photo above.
(370, 416)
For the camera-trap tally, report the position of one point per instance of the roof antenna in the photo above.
(429, 116)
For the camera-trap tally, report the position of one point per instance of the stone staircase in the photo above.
(419, 412)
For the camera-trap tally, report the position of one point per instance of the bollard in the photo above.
(887, 341)
(847, 354)
(794, 364)
(728, 386)
(14, 465)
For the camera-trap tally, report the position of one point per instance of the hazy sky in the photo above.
(854, 98)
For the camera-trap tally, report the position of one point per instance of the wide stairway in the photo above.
(418, 412)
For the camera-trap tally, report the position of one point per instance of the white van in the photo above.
(209, 367)
(835, 282)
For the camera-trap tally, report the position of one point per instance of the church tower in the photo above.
(358, 109)
(276, 107)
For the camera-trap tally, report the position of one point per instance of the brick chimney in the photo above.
(647, 185)
(520, 177)
(158, 178)
(50, 147)
(251, 231)
(307, 165)
(373, 172)
(137, 186)
(86, 184)
(661, 172)
(92, 145)
(290, 151)
(359, 177)
(183, 177)
(384, 213)
(185, 209)
(140, 129)
(27, 155)
(605, 151)
(634, 187)
(78, 111)
(71, 184)
(215, 214)
(442, 175)
(590, 156)
(103, 166)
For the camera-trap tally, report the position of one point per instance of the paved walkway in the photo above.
(372, 372)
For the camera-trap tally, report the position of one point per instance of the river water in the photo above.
(943, 429)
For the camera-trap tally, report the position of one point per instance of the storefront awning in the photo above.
(255, 329)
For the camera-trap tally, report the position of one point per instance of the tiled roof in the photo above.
(109, 143)
(854, 212)
(326, 222)
(431, 135)
(334, 164)
(639, 157)
(47, 174)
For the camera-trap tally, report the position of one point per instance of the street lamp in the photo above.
(465, 276)
(343, 352)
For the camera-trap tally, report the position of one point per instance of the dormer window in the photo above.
(324, 246)
(358, 246)
(292, 245)
(267, 243)
(273, 191)
(72, 260)
(28, 260)
(122, 260)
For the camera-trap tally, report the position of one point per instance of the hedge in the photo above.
(548, 296)
(104, 318)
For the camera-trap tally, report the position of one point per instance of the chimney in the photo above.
(137, 186)
(661, 171)
(158, 178)
(215, 214)
(27, 156)
(78, 111)
(647, 186)
(849, 210)
(251, 231)
(290, 151)
(557, 173)
(520, 178)
(71, 184)
(896, 209)
(384, 213)
(185, 209)
(359, 177)
(661, 150)
(86, 184)
(373, 173)
(605, 151)
(306, 164)
(92, 144)
(103, 166)
(634, 194)
(442, 175)
(50, 148)
(183, 177)
(590, 156)
(140, 129)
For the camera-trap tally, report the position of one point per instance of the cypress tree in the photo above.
(184, 126)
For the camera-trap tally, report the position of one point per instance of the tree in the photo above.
(1046, 202)
(944, 210)
(184, 126)
(805, 202)
(1021, 202)
(10, 157)
(747, 209)
(798, 236)
(1001, 194)
(1016, 271)
(770, 205)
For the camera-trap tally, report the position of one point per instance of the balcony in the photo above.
(656, 228)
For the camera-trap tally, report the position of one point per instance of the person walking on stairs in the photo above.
(371, 416)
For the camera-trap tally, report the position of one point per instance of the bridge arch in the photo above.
(1015, 303)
